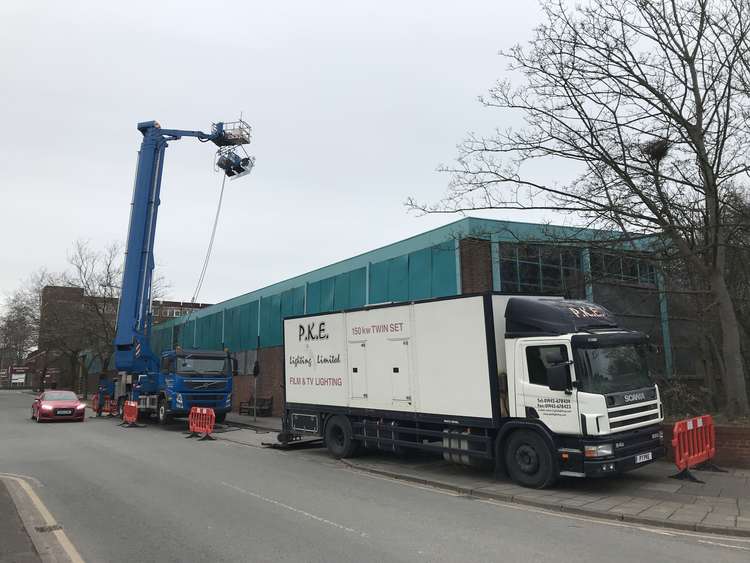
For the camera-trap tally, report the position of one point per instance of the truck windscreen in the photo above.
(612, 368)
(196, 365)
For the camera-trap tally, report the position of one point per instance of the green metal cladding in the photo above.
(420, 267)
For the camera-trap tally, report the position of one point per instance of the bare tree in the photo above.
(650, 101)
(17, 336)
(70, 316)
(19, 325)
(98, 274)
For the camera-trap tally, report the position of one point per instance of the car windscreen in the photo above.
(59, 396)
(195, 365)
(612, 367)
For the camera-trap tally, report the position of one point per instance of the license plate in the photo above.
(64, 412)
(640, 458)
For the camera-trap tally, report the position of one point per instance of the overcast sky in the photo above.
(353, 106)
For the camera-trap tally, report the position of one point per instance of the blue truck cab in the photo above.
(187, 378)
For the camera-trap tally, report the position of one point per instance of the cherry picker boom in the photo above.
(170, 383)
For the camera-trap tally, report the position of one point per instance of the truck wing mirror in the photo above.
(256, 368)
(558, 377)
(235, 369)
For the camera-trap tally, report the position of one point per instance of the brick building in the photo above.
(71, 324)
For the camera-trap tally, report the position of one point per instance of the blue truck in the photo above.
(170, 383)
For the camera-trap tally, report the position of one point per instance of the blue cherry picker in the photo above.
(170, 384)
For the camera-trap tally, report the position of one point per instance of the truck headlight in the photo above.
(658, 436)
(600, 450)
(229, 400)
(178, 399)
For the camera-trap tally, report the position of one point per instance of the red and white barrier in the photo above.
(694, 443)
(201, 422)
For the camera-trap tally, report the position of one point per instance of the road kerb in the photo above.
(40, 525)
(553, 506)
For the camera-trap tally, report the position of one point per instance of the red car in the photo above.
(58, 405)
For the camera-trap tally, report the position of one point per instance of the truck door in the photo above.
(557, 409)
(398, 355)
(357, 370)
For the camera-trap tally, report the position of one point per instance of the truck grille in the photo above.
(205, 385)
(622, 418)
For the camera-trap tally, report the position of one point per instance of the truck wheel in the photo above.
(529, 461)
(164, 416)
(221, 417)
(338, 437)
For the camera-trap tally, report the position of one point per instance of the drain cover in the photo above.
(48, 528)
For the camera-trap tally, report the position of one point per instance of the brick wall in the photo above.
(476, 265)
(732, 445)
(270, 380)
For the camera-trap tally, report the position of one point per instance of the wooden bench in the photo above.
(265, 407)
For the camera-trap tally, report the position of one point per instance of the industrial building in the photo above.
(467, 256)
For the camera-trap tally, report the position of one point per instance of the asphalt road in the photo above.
(150, 495)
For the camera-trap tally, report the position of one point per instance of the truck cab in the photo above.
(586, 381)
(187, 378)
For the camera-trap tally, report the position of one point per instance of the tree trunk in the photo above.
(73, 365)
(734, 383)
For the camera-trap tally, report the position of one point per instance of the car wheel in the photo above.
(164, 417)
(32, 414)
(339, 437)
(529, 460)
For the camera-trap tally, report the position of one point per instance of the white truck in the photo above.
(543, 386)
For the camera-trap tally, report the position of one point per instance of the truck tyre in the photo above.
(164, 417)
(221, 417)
(338, 437)
(529, 461)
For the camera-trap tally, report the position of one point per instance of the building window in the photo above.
(622, 268)
(527, 268)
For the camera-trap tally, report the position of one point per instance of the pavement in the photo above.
(646, 496)
(148, 494)
(16, 545)
(269, 423)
